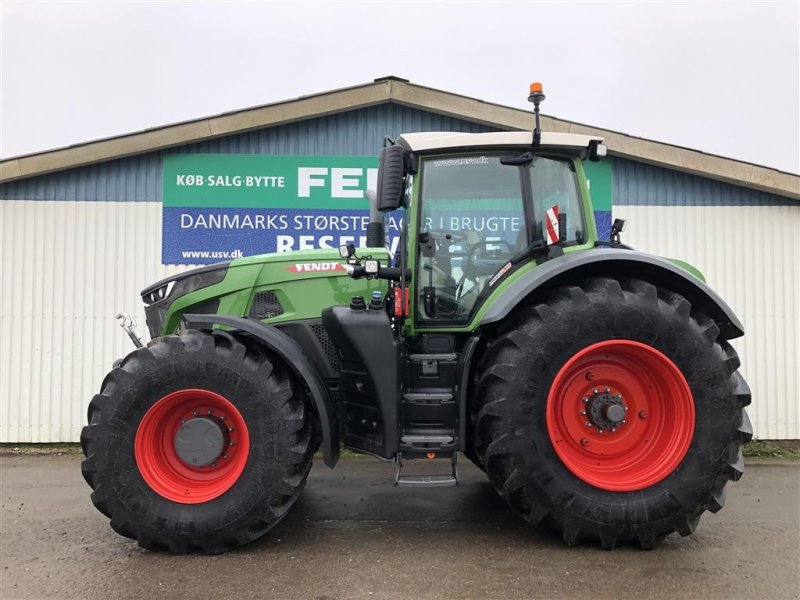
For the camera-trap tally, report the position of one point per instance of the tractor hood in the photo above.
(278, 287)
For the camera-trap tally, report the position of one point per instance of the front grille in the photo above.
(265, 306)
(331, 352)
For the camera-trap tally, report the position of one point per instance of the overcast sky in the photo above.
(719, 77)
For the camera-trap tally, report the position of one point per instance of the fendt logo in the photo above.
(318, 267)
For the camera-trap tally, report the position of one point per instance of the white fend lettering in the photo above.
(309, 177)
(342, 180)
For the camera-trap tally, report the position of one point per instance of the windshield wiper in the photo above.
(523, 159)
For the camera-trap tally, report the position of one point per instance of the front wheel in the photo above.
(611, 411)
(199, 441)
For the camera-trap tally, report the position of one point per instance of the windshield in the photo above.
(473, 220)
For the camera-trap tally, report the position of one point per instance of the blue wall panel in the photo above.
(641, 184)
(138, 178)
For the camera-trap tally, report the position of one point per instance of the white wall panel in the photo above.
(68, 267)
(751, 256)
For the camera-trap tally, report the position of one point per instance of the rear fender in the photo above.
(575, 266)
(291, 352)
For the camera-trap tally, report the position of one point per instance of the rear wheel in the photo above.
(197, 442)
(611, 411)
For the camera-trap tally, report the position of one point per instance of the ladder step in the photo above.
(426, 480)
(442, 480)
(416, 396)
(439, 357)
(426, 439)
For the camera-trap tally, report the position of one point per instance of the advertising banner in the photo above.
(218, 207)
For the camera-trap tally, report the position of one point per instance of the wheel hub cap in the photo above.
(620, 415)
(191, 446)
(199, 442)
(606, 411)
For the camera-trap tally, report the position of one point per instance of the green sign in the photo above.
(260, 181)
(599, 176)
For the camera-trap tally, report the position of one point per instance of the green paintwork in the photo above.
(689, 268)
(303, 294)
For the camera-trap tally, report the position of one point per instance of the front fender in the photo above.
(614, 262)
(296, 359)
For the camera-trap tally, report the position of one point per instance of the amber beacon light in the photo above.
(536, 96)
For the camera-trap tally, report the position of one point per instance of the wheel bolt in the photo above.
(583, 412)
(224, 456)
(642, 414)
(594, 391)
(613, 429)
(599, 431)
(230, 428)
(608, 390)
(213, 464)
(196, 413)
(588, 424)
(231, 443)
(585, 400)
(626, 408)
(210, 411)
(584, 442)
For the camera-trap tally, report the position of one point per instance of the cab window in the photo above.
(472, 220)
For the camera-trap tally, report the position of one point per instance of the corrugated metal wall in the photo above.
(67, 268)
(78, 246)
(750, 256)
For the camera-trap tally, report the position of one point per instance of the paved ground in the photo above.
(353, 535)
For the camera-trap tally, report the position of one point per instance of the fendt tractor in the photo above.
(593, 384)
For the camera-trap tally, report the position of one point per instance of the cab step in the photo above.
(427, 480)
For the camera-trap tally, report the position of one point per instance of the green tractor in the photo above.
(593, 384)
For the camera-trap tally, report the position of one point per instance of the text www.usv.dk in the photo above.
(211, 254)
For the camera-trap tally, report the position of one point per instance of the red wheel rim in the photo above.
(657, 426)
(159, 463)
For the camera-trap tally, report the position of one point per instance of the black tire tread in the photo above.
(498, 453)
(252, 357)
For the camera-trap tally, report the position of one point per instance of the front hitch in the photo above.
(128, 324)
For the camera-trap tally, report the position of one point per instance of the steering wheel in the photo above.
(483, 260)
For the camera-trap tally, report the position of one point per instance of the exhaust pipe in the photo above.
(376, 237)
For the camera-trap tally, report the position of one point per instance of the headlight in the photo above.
(182, 284)
(158, 294)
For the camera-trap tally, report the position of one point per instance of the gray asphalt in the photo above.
(353, 535)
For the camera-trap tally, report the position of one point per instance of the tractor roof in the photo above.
(445, 140)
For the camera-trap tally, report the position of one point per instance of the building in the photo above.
(82, 234)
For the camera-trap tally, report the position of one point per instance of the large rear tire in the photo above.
(611, 411)
(200, 441)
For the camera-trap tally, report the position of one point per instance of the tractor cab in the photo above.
(479, 209)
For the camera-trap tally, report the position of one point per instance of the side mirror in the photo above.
(390, 178)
